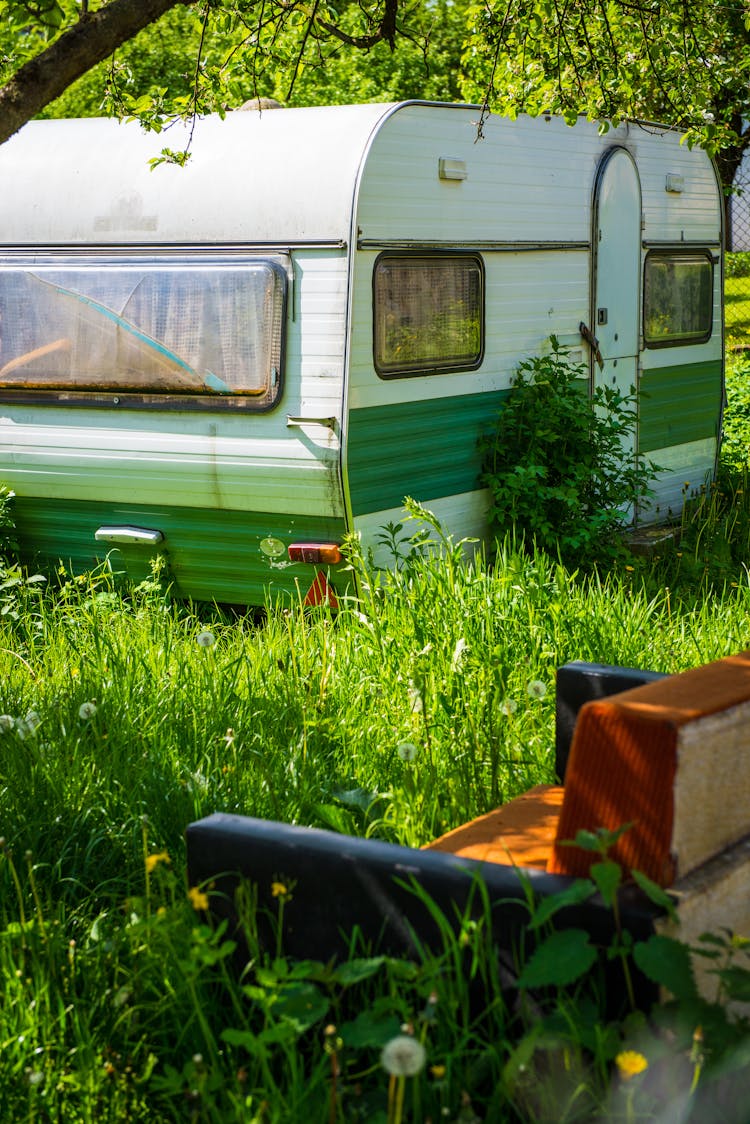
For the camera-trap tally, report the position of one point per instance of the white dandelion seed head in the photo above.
(7, 722)
(403, 1056)
(407, 751)
(459, 652)
(416, 702)
(205, 639)
(33, 721)
(508, 707)
(536, 689)
(86, 711)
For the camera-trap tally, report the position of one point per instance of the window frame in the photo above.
(676, 254)
(280, 263)
(391, 371)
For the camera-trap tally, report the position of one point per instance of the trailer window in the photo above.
(188, 327)
(428, 313)
(677, 298)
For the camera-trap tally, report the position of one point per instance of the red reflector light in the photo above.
(320, 593)
(315, 552)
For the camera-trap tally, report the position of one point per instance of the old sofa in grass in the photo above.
(668, 756)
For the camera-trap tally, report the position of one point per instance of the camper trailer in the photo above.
(236, 362)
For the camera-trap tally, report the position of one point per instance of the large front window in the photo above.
(142, 327)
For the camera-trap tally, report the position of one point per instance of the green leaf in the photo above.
(579, 891)
(370, 1029)
(736, 982)
(560, 960)
(608, 876)
(655, 893)
(354, 971)
(667, 962)
(302, 1005)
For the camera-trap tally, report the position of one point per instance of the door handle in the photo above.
(593, 343)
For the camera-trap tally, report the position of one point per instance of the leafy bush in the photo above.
(555, 465)
(737, 265)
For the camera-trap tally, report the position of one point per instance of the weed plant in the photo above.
(554, 463)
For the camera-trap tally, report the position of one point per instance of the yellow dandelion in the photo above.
(630, 1063)
(279, 890)
(437, 1071)
(630, 569)
(152, 861)
(198, 899)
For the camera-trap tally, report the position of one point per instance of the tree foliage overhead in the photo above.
(682, 63)
(47, 45)
(158, 70)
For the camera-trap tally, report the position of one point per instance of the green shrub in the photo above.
(555, 465)
(737, 265)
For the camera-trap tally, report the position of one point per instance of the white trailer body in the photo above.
(320, 314)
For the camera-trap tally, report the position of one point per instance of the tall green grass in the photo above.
(428, 700)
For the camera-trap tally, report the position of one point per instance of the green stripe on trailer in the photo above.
(212, 555)
(426, 449)
(679, 404)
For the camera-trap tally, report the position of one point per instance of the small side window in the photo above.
(428, 314)
(677, 298)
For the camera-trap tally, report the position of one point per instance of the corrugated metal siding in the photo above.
(529, 296)
(679, 404)
(422, 449)
(695, 213)
(211, 555)
(527, 179)
(686, 468)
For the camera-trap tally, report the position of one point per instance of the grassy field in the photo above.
(124, 717)
(737, 300)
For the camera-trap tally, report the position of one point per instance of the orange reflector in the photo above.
(315, 552)
(320, 592)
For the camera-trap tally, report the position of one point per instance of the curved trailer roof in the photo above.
(293, 176)
(275, 176)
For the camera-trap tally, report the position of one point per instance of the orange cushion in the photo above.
(624, 761)
(521, 832)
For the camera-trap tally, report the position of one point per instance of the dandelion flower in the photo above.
(536, 689)
(7, 722)
(205, 639)
(630, 1063)
(279, 890)
(152, 861)
(416, 702)
(407, 751)
(459, 652)
(198, 899)
(403, 1056)
(28, 726)
(508, 707)
(86, 710)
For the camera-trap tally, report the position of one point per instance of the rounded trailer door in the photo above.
(617, 271)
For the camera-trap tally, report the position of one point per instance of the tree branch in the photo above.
(91, 40)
